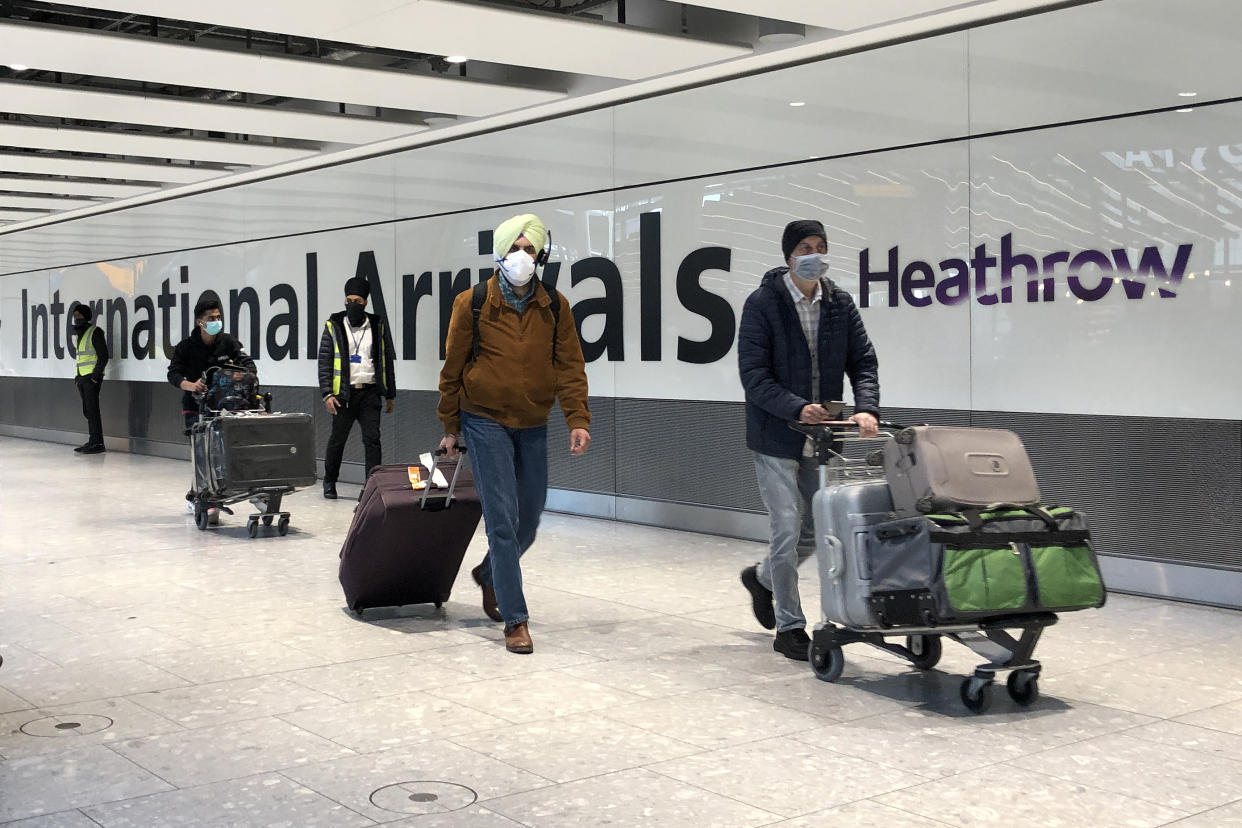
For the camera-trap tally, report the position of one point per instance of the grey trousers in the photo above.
(787, 487)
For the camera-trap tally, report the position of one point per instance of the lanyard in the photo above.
(361, 333)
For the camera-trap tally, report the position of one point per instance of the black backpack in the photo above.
(476, 307)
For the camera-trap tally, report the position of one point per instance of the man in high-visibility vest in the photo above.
(92, 348)
(357, 369)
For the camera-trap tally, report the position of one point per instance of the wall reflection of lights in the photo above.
(797, 103)
(1187, 94)
(1186, 109)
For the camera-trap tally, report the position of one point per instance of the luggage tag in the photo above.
(416, 477)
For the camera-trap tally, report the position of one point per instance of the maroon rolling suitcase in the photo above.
(405, 546)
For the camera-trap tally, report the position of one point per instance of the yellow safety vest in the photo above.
(87, 358)
(336, 358)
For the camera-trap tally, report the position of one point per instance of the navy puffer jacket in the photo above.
(775, 363)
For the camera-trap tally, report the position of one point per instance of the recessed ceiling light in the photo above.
(1187, 94)
(455, 59)
(797, 103)
(1187, 109)
(18, 67)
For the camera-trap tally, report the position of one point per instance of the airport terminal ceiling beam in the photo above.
(12, 183)
(59, 101)
(844, 15)
(19, 216)
(91, 52)
(43, 202)
(41, 164)
(148, 146)
(533, 38)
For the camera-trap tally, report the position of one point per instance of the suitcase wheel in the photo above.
(975, 694)
(1023, 686)
(827, 662)
(200, 517)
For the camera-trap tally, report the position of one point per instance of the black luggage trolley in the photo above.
(241, 450)
(990, 638)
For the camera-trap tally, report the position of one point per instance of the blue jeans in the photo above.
(787, 487)
(511, 476)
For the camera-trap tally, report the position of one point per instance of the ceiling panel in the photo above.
(13, 183)
(520, 37)
(151, 146)
(174, 62)
(845, 15)
(38, 164)
(113, 107)
(18, 215)
(44, 202)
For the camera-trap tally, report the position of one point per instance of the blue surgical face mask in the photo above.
(214, 327)
(810, 267)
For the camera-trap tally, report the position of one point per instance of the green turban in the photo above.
(507, 233)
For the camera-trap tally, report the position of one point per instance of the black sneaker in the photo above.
(760, 598)
(329, 490)
(94, 448)
(792, 644)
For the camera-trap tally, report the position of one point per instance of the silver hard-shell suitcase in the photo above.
(843, 517)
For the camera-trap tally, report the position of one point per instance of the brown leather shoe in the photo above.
(517, 639)
(489, 595)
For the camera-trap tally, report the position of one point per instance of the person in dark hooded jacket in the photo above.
(357, 369)
(786, 378)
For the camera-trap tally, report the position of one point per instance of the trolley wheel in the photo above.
(252, 527)
(827, 662)
(282, 525)
(1023, 686)
(975, 694)
(200, 516)
(927, 650)
(267, 520)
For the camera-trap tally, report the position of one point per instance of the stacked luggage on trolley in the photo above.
(940, 533)
(243, 451)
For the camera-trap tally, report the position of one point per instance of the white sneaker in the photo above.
(213, 517)
(189, 507)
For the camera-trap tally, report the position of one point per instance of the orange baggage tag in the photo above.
(416, 477)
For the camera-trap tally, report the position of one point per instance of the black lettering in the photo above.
(713, 307)
(955, 289)
(70, 348)
(166, 302)
(57, 309)
(1101, 261)
(369, 270)
(187, 310)
(248, 298)
(612, 340)
(37, 313)
(866, 276)
(551, 275)
(412, 291)
(918, 275)
(650, 322)
(25, 328)
(118, 333)
(144, 349)
(277, 349)
(450, 286)
(312, 305)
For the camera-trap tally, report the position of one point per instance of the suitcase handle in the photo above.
(447, 500)
(834, 556)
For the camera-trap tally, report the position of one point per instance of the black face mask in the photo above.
(80, 326)
(356, 313)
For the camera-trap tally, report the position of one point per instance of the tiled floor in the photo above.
(203, 678)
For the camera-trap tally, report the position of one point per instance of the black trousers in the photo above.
(364, 407)
(88, 390)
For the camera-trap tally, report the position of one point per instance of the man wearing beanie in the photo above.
(357, 365)
(799, 337)
(512, 351)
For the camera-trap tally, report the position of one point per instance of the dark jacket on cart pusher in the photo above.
(334, 356)
(775, 362)
(192, 357)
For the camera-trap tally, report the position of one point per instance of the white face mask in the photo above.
(518, 267)
(810, 267)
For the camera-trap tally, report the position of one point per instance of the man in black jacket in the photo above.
(357, 367)
(800, 335)
(206, 346)
(92, 349)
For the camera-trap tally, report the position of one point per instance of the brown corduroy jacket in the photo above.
(513, 381)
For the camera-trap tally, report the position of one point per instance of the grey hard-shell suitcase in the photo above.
(943, 468)
(846, 517)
